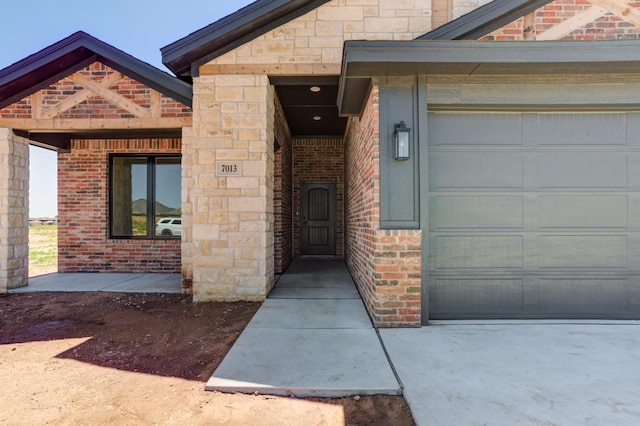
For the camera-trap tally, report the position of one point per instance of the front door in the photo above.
(318, 225)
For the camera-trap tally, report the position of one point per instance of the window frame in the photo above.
(151, 195)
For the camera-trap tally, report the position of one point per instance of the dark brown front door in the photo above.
(318, 219)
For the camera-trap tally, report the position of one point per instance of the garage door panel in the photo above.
(558, 129)
(464, 212)
(488, 129)
(483, 170)
(583, 211)
(478, 252)
(585, 170)
(587, 296)
(583, 251)
(545, 228)
(477, 296)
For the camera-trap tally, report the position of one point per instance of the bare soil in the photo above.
(97, 358)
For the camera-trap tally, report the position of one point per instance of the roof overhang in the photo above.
(485, 19)
(186, 55)
(75, 52)
(364, 60)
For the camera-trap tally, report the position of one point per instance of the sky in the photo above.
(138, 27)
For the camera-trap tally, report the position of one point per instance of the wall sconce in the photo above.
(401, 135)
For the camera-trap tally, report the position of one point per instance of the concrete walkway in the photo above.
(526, 373)
(122, 283)
(311, 337)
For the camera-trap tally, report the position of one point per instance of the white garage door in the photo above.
(534, 215)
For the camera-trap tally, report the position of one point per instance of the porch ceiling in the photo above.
(310, 106)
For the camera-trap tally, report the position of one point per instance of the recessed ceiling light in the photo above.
(314, 89)
(317, 118)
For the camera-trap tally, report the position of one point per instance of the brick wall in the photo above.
(385, 264)
(362, 197)
(95, 107)
(397, 278)
(83, 209)
(607, 27)
(319, 160)
(282, 193)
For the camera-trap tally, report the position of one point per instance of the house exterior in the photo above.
(276, 138)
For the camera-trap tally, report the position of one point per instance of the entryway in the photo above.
(318, 222)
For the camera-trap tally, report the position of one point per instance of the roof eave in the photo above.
(76, 52)
(483, 20)
(363, 61)
(184, 56)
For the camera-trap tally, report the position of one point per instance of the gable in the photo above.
(313, 43)
(586, 20)
(73, 53)
(95, 92)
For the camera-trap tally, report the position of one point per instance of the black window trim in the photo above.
(151, 189)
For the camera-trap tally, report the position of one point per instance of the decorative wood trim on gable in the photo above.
(95, 100)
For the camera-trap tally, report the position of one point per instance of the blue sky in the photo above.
(138, 27)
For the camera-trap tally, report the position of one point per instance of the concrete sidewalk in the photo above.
(529, 373)
(122, 283)
(311, 337)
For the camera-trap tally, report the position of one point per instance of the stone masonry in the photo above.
(229, 255)
(230, 211)
(14, 210)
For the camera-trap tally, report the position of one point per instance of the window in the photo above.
(145, 197)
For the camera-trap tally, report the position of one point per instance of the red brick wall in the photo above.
(607, 27)
(282, 193)
(385, 264)
(83, 208)
(397, 278)
(95, 107)
(319, 160)
(362, 197)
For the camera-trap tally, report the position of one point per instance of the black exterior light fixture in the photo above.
(401, 136)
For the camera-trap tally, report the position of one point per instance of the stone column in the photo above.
(228, 189)
(14, 210)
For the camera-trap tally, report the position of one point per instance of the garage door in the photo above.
(534, 215)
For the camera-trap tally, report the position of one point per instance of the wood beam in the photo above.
(111, 96)
(529, 26)
(36, 105)
(621, 9)
(156, 104)
(568, 26)
(71, 124)
(76, 99)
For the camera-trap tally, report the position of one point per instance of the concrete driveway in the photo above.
(528, 373)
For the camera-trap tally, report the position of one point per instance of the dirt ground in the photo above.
(128, 359)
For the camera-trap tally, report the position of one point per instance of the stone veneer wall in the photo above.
(313, 43)
(319, 160)
(229, 251)
(282, 193)
(83, 212)
(14, 210)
